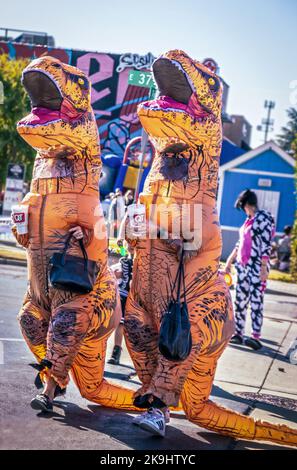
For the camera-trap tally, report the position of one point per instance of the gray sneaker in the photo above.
(138, 418)
(154, 422)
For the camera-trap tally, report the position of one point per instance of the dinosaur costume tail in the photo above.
(229, 423)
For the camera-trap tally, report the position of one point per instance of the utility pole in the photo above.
(267, 123)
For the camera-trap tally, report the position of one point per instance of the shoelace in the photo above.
(155, 412)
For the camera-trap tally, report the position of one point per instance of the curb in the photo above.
(9, 243)
(282, 288)
(13, 262)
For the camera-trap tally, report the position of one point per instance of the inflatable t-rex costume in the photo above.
(184, 125)
(68, 330)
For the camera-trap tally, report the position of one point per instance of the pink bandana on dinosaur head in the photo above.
(245, 242)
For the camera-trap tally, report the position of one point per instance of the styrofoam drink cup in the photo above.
(20, 218)
(137, 219)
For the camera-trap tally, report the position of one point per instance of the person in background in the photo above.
(106, 204)
(123, 272)
(129, 198)
(116, 213)
(284, 249)
(252, 253)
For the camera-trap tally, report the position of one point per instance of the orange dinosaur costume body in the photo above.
(68, 330)
(184, 124)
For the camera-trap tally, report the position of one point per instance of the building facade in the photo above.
(239, 131)
(267, 170)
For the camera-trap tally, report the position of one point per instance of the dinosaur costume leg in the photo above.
(214, 417)
(162, 378)
(34, 325)
(87, 373)
(79, 346)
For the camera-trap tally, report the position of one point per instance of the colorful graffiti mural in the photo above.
(113, 100)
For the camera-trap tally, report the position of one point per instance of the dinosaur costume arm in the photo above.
(22, 240)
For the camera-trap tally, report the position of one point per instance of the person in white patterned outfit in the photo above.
(252, 253)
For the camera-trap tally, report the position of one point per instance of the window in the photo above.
(268, 201)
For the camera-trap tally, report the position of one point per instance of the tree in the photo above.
(288, 133)
(293, 261)
(16, 105)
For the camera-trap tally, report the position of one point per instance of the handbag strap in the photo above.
(82, 247)
(184, 280)
(179, 277)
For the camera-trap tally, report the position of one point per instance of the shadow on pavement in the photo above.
(278, 407)
(252, 445)
(264, 351)
(118, 426)
(280, 292)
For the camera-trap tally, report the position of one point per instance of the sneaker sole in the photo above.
(37, 405)
(148, 428)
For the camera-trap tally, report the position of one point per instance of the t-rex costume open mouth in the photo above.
(184, 124)
(68, 330)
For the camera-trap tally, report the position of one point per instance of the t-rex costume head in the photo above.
(61, 122)
(188, 111)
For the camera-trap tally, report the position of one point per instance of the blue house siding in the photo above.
(234, 183)
(229, 239)
(268, 158)
(229, 152)
(268, 161)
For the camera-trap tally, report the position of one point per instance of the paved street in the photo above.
(78, 424)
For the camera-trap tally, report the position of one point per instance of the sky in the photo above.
(254, 41)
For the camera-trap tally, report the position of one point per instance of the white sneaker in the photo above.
(154, 422)
(138, 418)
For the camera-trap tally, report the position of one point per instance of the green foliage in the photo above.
(293, 262)
(289, 132)
(16, 105)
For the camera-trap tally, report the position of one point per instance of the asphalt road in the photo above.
(79, 424)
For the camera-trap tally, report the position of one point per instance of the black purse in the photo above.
(72, 273)
(175, 340)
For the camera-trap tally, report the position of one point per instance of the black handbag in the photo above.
(175, 340)
(72, 273)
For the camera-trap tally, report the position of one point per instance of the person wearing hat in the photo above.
(251, 255)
